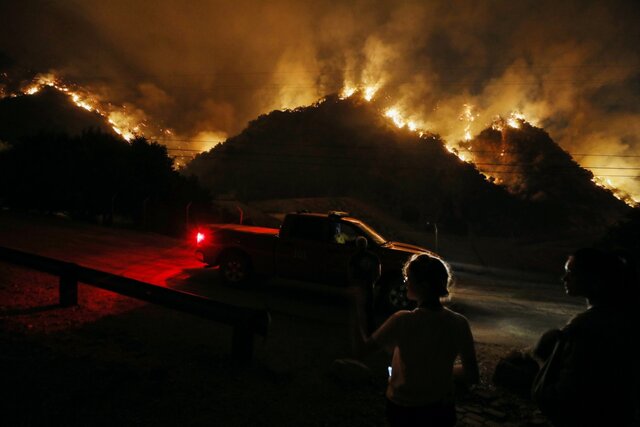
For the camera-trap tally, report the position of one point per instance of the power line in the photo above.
(351, 164)
(358, 147)
(352, 158)
(552, 167)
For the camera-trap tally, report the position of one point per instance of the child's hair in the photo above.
(429, 274)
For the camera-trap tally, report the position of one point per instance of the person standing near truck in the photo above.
(364, 272)
(425, 343)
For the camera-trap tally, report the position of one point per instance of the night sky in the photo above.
(206, 68)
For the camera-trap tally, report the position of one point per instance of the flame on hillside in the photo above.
(514, 120)
(402, 120)
(619, 194)
(463, 150)
(469, 117)
(126, 120)
(367, 92)
(122, 123)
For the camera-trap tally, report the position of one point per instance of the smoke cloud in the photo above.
(203, 69)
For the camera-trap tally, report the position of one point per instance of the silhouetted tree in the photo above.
(96, 175)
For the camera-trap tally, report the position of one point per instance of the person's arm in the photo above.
(467, 372)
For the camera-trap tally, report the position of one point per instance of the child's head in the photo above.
(427, 277)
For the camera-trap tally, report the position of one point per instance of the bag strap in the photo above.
(549, 369)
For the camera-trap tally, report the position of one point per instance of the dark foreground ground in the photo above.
(115, 361)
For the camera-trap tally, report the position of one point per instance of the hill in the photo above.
(48, 111)
(345, 147)
(525, 160)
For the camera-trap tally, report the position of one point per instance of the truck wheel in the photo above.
(235, 268)
(392, 295)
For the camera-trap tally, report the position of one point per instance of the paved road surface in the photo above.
(509, 311)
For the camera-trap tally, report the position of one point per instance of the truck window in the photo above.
(343, 233)
(368, 232)
(307, 228)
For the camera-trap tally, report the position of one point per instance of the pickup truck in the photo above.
(310, 247)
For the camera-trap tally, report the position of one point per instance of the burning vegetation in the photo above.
(45, 104)
(122, 123)
(343, 146)
(47, 110)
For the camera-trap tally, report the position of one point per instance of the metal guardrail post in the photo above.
(69, 286)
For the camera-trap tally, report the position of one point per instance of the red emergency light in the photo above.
(199, 237)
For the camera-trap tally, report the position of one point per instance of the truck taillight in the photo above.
(199, 237)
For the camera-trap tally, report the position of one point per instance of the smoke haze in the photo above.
(205, 68)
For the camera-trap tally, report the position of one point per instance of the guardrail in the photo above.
(246, 322)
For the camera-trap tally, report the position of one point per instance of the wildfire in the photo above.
(401, 121)
(367, 91)
(395, 117)
(32, 90)
(619, 194)
(121, 123)
(347, 92)
(469, 117)
(40, 81)
(458, 154)
(514, 120)
(126, 121)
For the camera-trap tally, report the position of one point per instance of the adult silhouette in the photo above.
(589, 375)
(364, 272)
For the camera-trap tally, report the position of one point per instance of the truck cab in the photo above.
(319, 246)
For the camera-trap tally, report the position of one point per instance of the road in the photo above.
(509, 311)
